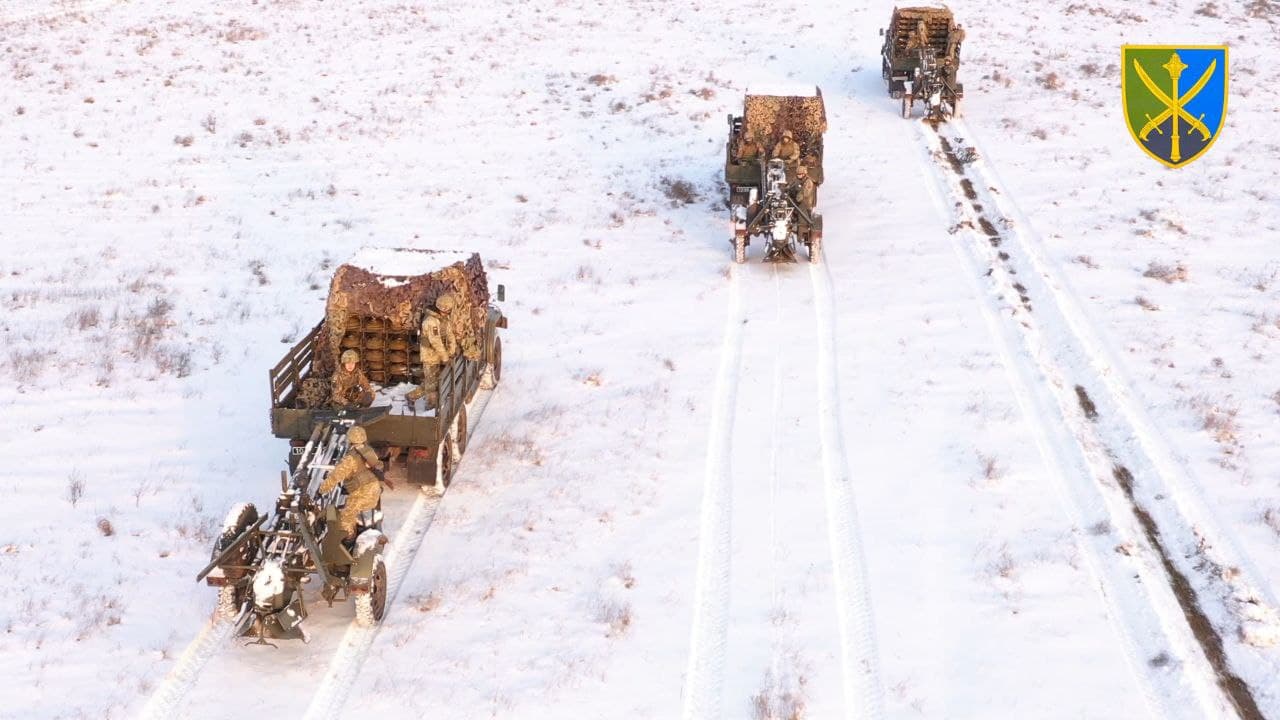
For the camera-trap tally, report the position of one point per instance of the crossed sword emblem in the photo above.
(1174, 103)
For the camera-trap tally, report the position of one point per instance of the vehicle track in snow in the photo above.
(169, 695)
(1183, 590)
(860, 666)
(780, 574)
(330, 694)
(704, 675)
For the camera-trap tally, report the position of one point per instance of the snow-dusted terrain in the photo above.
(1004, 454)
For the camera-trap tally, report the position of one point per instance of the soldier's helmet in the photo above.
(446, 302)
(787, 134)
(357, 436)
(350, 356)
(801, 170)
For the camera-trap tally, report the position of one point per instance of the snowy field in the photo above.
(1004, 455)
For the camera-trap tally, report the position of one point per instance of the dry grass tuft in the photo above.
(1166, 273)
(426, 603)
(1050, 81)
(680, 191)
(85, 318)
(75, 487)
(1272, 519)
(1146, 304)
(1262, 9)
(617, 615)
(27, 365)
(776, 701)
(990, 467)
(1217, 420)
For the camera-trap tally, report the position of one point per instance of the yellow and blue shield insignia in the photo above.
(1175, 98)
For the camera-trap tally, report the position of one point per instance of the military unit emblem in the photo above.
(1175, 98)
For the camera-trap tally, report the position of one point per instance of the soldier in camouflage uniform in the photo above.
(748, 149)
(787, 149)
(356, 473)
(803, 191)
(919, 38)
(437, 345)
(350, 388)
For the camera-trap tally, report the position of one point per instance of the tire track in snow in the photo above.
(1147, 613)
(1223, 598)
(860, 665)
(1133, 427)
(186, 671)
(704, 676)
(344, 668)
(332, 692)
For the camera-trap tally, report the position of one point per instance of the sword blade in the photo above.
(1151, 85)
(1195, 89)
(1196, 123)
(1154, 123)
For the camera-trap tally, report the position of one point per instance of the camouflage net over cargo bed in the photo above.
(766, 116)
(380, 314)
(941, 32)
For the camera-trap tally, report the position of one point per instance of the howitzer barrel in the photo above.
(235, 545)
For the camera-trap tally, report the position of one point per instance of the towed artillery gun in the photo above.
(376, 304)
(261, 562)
(920, 59)
(763, 198)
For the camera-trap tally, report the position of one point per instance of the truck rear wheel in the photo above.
(445, 461)
(492, 374)
(460, 431)
(739, 248)
(372, 606)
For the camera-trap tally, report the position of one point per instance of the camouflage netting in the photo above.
(766, 116)
(379, 314)
(314, 393)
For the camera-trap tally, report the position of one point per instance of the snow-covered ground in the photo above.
(860, 490)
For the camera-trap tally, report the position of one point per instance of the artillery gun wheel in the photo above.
(371, 606)
(231, 597)
(907, 102)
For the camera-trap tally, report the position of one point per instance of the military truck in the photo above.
(920, 59)
(763, 199)
(376, 303)
(375, 306)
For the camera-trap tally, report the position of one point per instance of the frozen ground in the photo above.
(862, 490)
